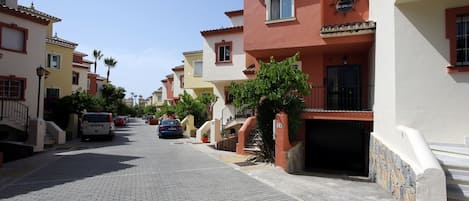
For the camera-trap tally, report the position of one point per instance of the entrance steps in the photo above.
(454, 159)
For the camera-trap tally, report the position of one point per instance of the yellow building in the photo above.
(193, 74)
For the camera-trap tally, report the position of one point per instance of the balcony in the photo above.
(342, 102)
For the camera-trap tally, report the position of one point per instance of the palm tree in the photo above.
(110, 63)
(97, 56)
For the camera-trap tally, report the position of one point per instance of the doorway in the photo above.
(344, 87)
(338, 147)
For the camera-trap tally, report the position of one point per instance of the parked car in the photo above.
(120, 121)
(170, 128)
(97, 124)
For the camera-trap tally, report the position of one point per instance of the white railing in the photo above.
(430, 177)
(56, 132)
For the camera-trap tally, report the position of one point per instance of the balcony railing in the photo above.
(14, 111)
(341, 97)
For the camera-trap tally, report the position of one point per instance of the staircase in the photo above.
(253, 142)
(454, 158)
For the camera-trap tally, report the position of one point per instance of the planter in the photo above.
(205, 140)
(153, 121)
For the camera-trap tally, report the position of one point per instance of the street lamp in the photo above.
(40, 71)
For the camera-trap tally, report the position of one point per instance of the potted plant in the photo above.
(205, 138)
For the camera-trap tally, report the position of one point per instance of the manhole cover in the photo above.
(245, 163)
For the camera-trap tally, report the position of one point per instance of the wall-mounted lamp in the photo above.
(345, 59)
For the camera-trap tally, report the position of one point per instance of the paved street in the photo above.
(136, 165)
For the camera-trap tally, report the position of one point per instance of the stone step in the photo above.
(454, 176)
(458, 192)
(458, 149)
(252, 149)
(451, 162)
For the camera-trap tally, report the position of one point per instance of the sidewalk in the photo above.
(305, 186)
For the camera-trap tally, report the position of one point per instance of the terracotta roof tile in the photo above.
(61, 42)
(228, 30)
(250, 70)
(178, 68)
(39, 13)
(24, 14)
(234, 13)
(354, 28)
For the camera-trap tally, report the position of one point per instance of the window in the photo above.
(53, 93)
(159, 98)
(12, 88)
(224, 52)
(53, 61)
(13, 38)
(75, 78)
(88, 84)
(228, 97)
(462, 40)
(457, 32)
(280, 9)
(198, 68)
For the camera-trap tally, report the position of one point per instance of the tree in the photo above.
(208, 100)
(97, 56)
(112, 96)
(110, 63)
(278, 87)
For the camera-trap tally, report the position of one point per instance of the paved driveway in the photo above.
(134, 166)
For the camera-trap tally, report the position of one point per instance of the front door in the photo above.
(344, 87)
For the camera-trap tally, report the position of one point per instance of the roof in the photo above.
(79, 65)
(61, 42)
(178, 68)
(354, 28)
(170, 76)
(234, 13)
(193, 52)
(228, 30)
(39, 13)
(25, 15)
(165, 80)
(88, 61)
(250, 70)
(80, 53)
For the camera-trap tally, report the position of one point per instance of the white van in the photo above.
(97, 124)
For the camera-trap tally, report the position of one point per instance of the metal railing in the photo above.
(14, 111)
(341, 97)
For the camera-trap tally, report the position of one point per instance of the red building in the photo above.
(335, 39)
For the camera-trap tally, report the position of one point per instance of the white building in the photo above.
(223, 62)
(421, 92)
(81, 68)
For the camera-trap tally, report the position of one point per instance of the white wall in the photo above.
(24, 65)
(428, 98)
(222, 72)
(385, 104)
(412, 86)
(82, 80)
(177, 84)
(221, 110)
(237, 20)
(164, 92)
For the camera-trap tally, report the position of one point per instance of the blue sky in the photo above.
(147, 37)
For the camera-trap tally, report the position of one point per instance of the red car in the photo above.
(119, 121)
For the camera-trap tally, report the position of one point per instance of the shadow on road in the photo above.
(67, 169)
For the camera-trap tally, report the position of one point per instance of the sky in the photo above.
(147, 37)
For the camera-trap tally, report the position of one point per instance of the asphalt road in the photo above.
(136, 165)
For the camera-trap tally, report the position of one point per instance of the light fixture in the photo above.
(345, 59)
